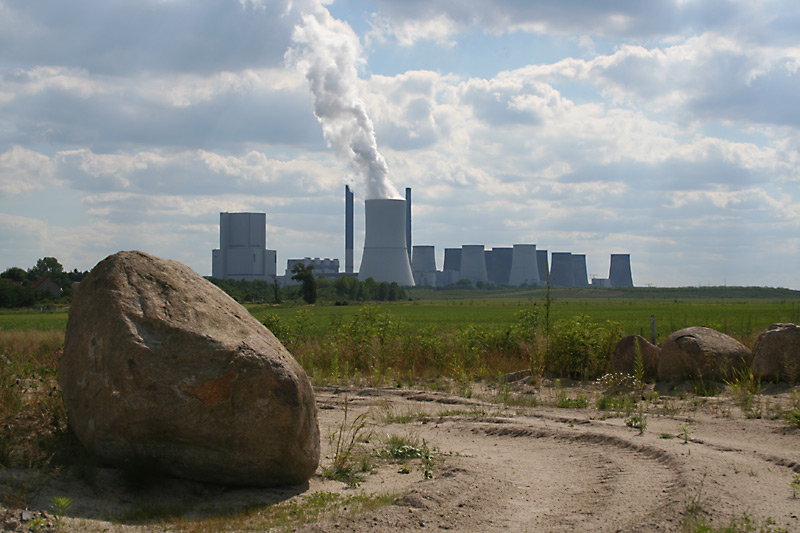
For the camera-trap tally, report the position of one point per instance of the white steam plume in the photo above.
(328, 50)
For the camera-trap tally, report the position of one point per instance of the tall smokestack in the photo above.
(348, 230)
(385, 257)
(408, 221)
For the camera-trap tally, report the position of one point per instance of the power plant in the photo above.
(389, 255)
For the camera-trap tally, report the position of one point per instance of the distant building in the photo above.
(242, 252)
(323, 268)
(46, 284)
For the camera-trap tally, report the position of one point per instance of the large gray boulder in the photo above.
(160, 364)
(623, 357)
(776, 355)
(701, 353)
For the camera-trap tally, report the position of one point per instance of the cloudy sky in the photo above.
(667, 129)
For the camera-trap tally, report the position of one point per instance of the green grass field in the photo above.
(18, 320)
(734, 311)
(742, 318)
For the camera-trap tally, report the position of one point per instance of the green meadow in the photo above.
(742, 318)
(741, 312)
(25, 319)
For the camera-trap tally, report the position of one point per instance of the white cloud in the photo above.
(655, 18)
(661, 129)
(23, 170)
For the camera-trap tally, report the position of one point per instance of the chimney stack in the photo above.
(348, 230)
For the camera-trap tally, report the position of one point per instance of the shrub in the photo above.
(579, 348)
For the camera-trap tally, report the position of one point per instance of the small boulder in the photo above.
(623, 357)
(776, 355)
(160, 364)
(701, 353)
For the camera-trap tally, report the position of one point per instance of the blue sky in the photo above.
(666, 129)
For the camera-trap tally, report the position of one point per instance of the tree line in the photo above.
(17, 284)
(311, 289)
(17, 287)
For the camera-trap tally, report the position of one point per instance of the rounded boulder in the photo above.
(776, 355)
(628, 349)
(701, 353)
(160, 364)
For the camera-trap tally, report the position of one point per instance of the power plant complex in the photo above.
(389, 255)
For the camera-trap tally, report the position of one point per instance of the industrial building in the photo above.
(389, 255)
(323, 268)
(242, 252)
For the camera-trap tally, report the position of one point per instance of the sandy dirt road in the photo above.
(503, 468)
(550, 469)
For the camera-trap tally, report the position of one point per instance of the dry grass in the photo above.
(32, 418)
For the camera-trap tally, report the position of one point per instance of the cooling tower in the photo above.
(423, 265)
(619, 274)
(385, 257)
(561, 269)
(348, 230)
(580, 277)
(498, 265)
(452, 259)
(473, 263)
(423, 259)
(541, 263)
(524, 266)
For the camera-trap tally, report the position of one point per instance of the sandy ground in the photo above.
(496, 468)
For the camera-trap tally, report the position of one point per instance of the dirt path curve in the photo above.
(496, 468)
(547, 469)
